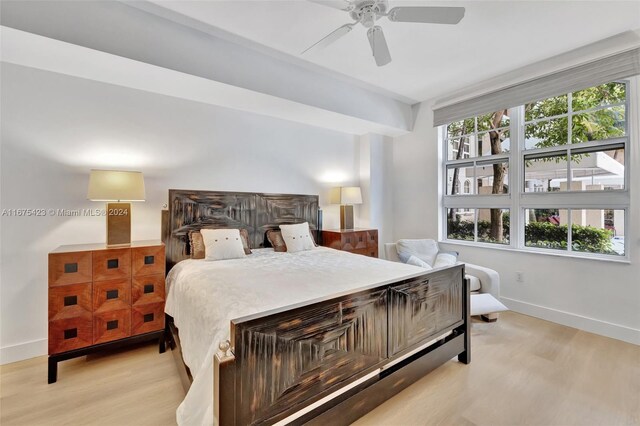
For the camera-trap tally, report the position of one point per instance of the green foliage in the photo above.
(460, 230)
(584, 238)
(464, 230)
(595, 125)
(462, 127)
(546, 108)
(605, 94)
(539, 234)
(548, 133)
(485, 122)
(598, 125)
(592, 240)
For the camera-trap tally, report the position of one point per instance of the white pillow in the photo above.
(445, 259)
(220, 244)
(415, 261)
(425, 250)
(297, 237)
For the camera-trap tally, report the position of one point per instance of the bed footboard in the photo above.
(306, 361)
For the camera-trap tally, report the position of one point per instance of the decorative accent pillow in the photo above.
(412, 260)
(297, 237)
(425, 250)
(220, 244)
(275, 239)
(196, 243)
(445, 258)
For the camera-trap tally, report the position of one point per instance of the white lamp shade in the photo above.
(114, 185)
(346, 195)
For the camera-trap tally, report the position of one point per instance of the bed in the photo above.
(310, 337)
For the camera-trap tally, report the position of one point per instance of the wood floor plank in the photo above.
(525, 371)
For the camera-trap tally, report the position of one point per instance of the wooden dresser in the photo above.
(359, 241)
(103, 298)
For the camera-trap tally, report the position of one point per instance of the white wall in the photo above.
(120, 29)
(376, 182)
(56, 128)
(597, 296)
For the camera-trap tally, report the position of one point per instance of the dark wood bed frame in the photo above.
(326, 360)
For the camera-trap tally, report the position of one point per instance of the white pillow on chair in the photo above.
(426, 250)
(445, 258)
(418, 262)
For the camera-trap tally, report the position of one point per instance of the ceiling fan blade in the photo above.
(333, 36)
(425, 14)
(379, 46)
(336, 4)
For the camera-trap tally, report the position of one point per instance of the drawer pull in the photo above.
(148, 288)
(70, 300)
(147, 317)
(112, 294)
(70, 268)
(348, 240)
(360, 239)
(149, 260)
(71, 333)
(112, 325)
(112, 263)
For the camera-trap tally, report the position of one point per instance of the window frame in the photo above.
(517, 201)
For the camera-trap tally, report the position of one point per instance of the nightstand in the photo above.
(358, 240)
(102, 298)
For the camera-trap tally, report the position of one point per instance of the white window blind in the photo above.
(611, 68)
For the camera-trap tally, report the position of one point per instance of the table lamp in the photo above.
(115, 187)
(346, 196)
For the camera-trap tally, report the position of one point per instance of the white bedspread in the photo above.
(203, 296)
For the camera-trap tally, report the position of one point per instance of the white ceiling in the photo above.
(428, 60)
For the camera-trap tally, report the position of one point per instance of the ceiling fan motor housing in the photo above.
(367, 11)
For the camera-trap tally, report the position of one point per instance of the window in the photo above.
(546, 176)
(484, 169)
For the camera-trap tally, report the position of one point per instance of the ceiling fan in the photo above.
(367, 12)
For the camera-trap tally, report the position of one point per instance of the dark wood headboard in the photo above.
(256, 212)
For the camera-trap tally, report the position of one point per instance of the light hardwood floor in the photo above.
(524, 371)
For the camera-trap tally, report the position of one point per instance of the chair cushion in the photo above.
(426, 250)
(484, 303)
(474, 282)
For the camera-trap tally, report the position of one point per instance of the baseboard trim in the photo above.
(22, 351)
(603, 328)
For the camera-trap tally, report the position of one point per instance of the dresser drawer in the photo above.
(147, 289)
(69, 301)
(147, 260)
(372, 239)
(370, 251)
(353, 240)
(69, 268)
(111, 264)
(70, 333)
(111, 325)
(111, 295)
(147, 318)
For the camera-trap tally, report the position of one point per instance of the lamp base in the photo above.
(346, 217)
(118, 224)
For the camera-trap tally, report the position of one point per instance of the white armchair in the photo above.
(483, 280)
